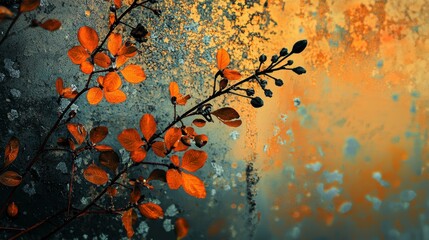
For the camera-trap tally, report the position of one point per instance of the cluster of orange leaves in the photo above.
(88, 54)
(28, 6)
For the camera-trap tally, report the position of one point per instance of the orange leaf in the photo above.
(111, 19)
(29, 5)
(5, 12)
(115, 97)
(159, 149)
(127, 51)
(112, 191)
(112, 82)
(226, 113)
(109, 159)
(97, 134)
(87, 67)
(133, 74)
(234, 123)
(138, 155)
(222, 58)
(102, 60)
(69, 93)
(151, 210)
(103, 148)
(12, 209)
(193, 185)
(193, 160)
(114, 43)
(174, 89)
(180, 146)
(95, 175)
(135, 195)
(175, 160)
(59, 85)
(148, 126)
(118, 3)
(78, 54)
(176, 96)
(94, 95)
(10, 179)
(121, 60)
(231, 74)
(171, 137)
(128, 219)
(51, 25)
(174, 179)
(130, 140)
(11, 151)
(199, 122)
(78, 131)
(181, 227)
(201, 140)
(88, 38)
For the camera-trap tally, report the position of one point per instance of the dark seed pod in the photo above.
(289, 62)
(250, 92)
(257, 102)
(112, 8)
(278, 82)
(262, 58)
(140, 33)
(299, 70)
(274, 58)
(263, 83)
(157, 12)
(268, 93)
(299, 46)
(283, 52)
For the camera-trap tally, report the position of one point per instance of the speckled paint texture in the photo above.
(340, 152)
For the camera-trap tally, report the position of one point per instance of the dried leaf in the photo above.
(12, 209)
(222, 58)
(226, 113)
(112, 191)
(11, 151)
(130, 139)
(135, 195)
(88, 38)
(231, 74)
(147, 126)
(114, 43)
(193, 185)
(51, 25)
(78, 131)
(234, 123)
(29, 5)
(199, 122)
(138, 155)
(157, 174)
(10, 179)
(95, 175)
(181, 227)
(133, 74)
(193, 160)
(97, 134)
(128, 219)
(78, 54)
(115, 97)
(151, 210)
(171, 137)
(159, 149)
(109, 159)
(174, 179)
(102, 60)
(94, 95)
(201, 140)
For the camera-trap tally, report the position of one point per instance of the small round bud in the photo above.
(250, 92)
(268, 93)
(283, 52)
(274, 58)
(262, 58)
(113, 8)
(263, 83)
(278, 82)
(257, 102)
(289, 62)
